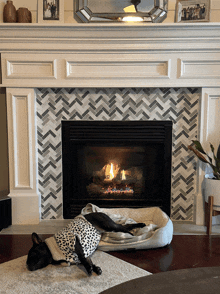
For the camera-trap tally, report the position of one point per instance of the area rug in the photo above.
(15, 278)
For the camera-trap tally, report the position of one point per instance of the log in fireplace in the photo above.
(116, 164)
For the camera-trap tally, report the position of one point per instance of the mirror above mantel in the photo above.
(153, 11)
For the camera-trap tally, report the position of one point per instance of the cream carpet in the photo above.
(15, 278)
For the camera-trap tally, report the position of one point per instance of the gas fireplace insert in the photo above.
(116, 164)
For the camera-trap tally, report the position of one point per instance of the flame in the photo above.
(111, 173)
(123, 177)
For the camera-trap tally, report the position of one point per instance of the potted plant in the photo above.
(212, 182)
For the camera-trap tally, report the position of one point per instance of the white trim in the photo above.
(22, 148)
(209, 131)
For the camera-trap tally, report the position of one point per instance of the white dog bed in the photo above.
(157, 233)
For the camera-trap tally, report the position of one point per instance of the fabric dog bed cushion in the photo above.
(158, 231)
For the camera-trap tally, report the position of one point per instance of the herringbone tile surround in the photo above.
(181, 105)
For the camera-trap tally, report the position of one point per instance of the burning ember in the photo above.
(115, 190)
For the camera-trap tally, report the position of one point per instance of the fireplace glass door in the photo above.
(116, 164)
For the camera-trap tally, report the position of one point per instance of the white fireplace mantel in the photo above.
(116, 55)
(100, 55)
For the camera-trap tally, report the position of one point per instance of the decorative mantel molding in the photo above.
(99, 55)
(110, 55)
(113, 35)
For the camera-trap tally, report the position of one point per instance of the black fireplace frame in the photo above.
(80, 133)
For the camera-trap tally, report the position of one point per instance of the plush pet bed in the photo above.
(157, 233)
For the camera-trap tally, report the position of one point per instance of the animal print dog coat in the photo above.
(88, 235)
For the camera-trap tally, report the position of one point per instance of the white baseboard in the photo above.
(25, 210)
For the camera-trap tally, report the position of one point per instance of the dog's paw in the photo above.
(97, 270)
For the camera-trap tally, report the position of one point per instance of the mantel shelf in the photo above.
(115, 30)
(115, 36)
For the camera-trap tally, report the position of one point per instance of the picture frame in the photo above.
(50, 11)
(192, 11)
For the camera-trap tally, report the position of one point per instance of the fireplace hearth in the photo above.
(116, 164)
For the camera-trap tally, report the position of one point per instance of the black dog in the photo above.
(90, 226)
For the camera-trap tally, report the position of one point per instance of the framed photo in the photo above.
(192, 10)
(50, 11)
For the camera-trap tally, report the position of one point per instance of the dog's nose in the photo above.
(30, 267)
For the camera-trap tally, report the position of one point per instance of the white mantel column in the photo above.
(22, 155)
(209, 132)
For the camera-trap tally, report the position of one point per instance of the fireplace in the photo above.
(106, 72)
(116, 164)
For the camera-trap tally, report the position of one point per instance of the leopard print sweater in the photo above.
(88, 235)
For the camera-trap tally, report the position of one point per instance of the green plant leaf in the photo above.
(217, 160)
(198, 154)
(198, 150)
(215, 171)
(212, 148)
(210, 159)
(213, 151)
(199, 147)
(217, 163)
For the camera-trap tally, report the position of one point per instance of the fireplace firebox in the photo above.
(116, 164)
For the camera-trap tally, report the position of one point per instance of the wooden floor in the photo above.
(185, 251)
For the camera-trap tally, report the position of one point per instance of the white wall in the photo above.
(68, 10)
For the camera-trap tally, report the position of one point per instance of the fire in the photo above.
(123, 177)
(111, 173)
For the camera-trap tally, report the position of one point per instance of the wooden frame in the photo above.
(192, 10)
(50, 11)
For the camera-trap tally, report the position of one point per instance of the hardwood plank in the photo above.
(185, 251)
(14, 246)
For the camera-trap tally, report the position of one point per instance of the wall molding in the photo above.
(106, 55)
(208, 132)
(22, 152)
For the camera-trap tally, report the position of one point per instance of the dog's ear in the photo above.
(36, 239)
